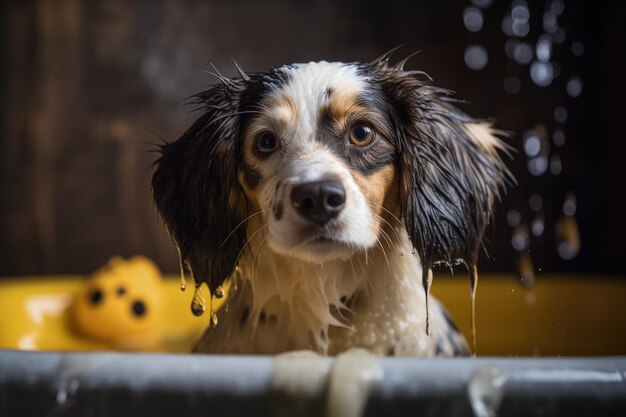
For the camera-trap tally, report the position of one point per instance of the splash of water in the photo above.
(473, 288)
(427, 281)
(486, 391)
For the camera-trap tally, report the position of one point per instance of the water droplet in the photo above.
(513, 217)
(535, 202)
(427, 281)
(574, 87)
(537, 226)
(482, 3)
(472, 19)
(198, 303)
(550, 22)
(569, 205)
(520, 239)
(523, 53)
(537, 166)
(219, 292)
(525, 269)
(567, 232)
(543, 50)
(555, 165)
(512, 85)
(413, 251)
(181, 266)
(520, 28)
(401, 253)
(213, 320)
(578, 48)
(322, 265)
(67, 391)
(559, 36)
(558, 138)
(485, 391)
(476, 57)
(560, 114)
(541, 73)
(532, 144)
(557, 7)
(473, 288)
(519, 11)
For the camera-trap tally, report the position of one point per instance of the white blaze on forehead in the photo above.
(307, 88)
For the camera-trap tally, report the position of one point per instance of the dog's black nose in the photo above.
(319, 201)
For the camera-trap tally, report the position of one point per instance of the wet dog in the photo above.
(325, 192)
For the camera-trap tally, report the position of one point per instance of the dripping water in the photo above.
(219, 292)
(181, 265)
(473, 287)
(198, 304)
(427, 280)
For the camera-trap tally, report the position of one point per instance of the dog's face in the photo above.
(326, 153)
(319, 160)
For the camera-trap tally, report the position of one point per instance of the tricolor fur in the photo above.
(419, 189)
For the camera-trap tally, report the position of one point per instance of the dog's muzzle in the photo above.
(318, 202)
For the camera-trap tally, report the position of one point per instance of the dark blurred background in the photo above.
(89, 87)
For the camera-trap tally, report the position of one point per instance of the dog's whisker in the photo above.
(384, 254)
(241, 223)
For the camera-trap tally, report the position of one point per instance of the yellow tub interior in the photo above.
(559, 315)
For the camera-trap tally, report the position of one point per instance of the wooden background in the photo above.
(89, 87)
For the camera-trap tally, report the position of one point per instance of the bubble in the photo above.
(555, 165)
(476, 57)
(550, 22)
(574, 87)
(472, 19)
(538, 165)
(513, 217)
(532, 145)
(543, 50)
(560, 114)
(482, 3)
(541, 73)
(578, 48)
(512, 84)
(535, 202)
(523, 53)
(558, 138)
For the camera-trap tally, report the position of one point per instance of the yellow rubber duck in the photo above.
(122, 304)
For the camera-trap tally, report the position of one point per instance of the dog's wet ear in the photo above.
(196, 190)
(451, 166)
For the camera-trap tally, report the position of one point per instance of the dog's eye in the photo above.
(361, 135)
(266, 142)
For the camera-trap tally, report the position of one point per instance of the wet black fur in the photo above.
(195, 183)
(448, 184)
